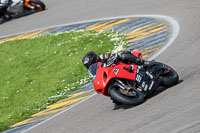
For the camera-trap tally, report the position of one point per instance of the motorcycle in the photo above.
(129, 84)
(23, 8)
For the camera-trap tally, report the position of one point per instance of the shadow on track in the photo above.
(155, 93)
(12, 17)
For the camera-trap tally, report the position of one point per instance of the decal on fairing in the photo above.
(141, 79)
(115, 71)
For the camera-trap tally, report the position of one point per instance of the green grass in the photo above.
(39, 71)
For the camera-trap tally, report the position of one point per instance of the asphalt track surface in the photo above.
(175, 109)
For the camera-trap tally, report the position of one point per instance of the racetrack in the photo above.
(176, 109)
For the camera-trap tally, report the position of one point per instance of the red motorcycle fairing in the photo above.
(105, 75)
(128, 83)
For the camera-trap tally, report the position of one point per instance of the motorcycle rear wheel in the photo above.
(171, 78)
(39, 5)
(127, 100)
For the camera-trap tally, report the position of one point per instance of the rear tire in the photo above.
(127, 100)
(39, 5)
(171, 78)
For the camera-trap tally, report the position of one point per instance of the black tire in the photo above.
(2, 20)
(39, 5)
(171, 78)
(127, 100)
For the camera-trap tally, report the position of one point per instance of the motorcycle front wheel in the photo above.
(126, 99)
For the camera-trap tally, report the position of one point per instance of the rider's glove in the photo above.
(112, 59)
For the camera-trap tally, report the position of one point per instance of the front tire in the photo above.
(127, 100)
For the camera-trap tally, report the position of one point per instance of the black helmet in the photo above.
(89, 59)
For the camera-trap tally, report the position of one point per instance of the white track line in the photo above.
(175, 30)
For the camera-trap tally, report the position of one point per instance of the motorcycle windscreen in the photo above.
(93, 69)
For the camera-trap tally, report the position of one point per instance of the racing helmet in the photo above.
(89, 59)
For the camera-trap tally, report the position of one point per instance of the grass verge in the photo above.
(37, 72)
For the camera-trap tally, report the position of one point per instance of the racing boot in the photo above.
(140, 61)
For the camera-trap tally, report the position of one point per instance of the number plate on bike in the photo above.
(144, 79)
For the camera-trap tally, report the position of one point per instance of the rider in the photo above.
(10, 6)
(3, 7)
(108, 59)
